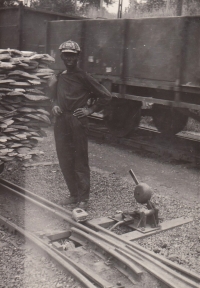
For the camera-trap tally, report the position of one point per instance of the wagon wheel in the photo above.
(124, 117)
(168, 120)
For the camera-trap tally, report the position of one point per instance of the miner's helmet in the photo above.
(70, 46)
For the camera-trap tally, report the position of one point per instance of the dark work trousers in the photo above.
(72, 149)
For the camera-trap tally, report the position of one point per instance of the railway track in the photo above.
(97, 257)
(181, 147)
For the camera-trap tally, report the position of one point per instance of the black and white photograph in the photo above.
(99, 144)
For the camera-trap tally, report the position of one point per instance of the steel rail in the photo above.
(59, 260)
(190, 154)
(95, 278)
(60, 213)
(142, 129)
(158, 269)
(49, 205)
(126, 266)
(162, 272)
(190, 274)
(121, 243)
(102, 233)
(20, 191)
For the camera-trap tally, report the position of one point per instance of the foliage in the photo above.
(61, 6)
(93, 12)
(90, 7)
(96, 3)
(155, 4)
(68, 6)
(8, 3)
(148, 8)
(191, 7)
(148, 5)
(161, 8)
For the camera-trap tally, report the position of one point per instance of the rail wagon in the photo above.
(155, 60)
(24, 28)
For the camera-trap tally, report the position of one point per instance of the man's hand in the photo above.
(82, 112)
(56, 111)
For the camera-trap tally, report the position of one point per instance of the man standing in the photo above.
(72, 88)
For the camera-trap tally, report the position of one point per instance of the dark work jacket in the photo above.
(72, 90)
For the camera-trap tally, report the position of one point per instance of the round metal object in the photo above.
(168, 120)
(124, 117)
(143, 193)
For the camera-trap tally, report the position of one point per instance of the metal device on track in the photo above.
(114, 251)
(79, 215)
(144, 219)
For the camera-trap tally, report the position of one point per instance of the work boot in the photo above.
(70, 200)
(83, 205)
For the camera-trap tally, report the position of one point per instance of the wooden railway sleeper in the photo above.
(104, 250)
(49, 252)
(91, 275)
(13, 228)
(161, 271)
(122, 244)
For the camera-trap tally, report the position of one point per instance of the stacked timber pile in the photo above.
(23, 104)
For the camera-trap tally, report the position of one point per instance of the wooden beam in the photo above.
(134, 235)
(54, 236)
(164, 226)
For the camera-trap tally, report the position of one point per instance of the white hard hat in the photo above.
(69, 46)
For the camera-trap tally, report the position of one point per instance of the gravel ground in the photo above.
(28, 216)
(23, 266)
(111, 192)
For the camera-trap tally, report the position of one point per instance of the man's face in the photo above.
(70, 59)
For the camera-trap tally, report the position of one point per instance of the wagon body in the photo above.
(25, 28)
(157, 58)
(154, 60)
